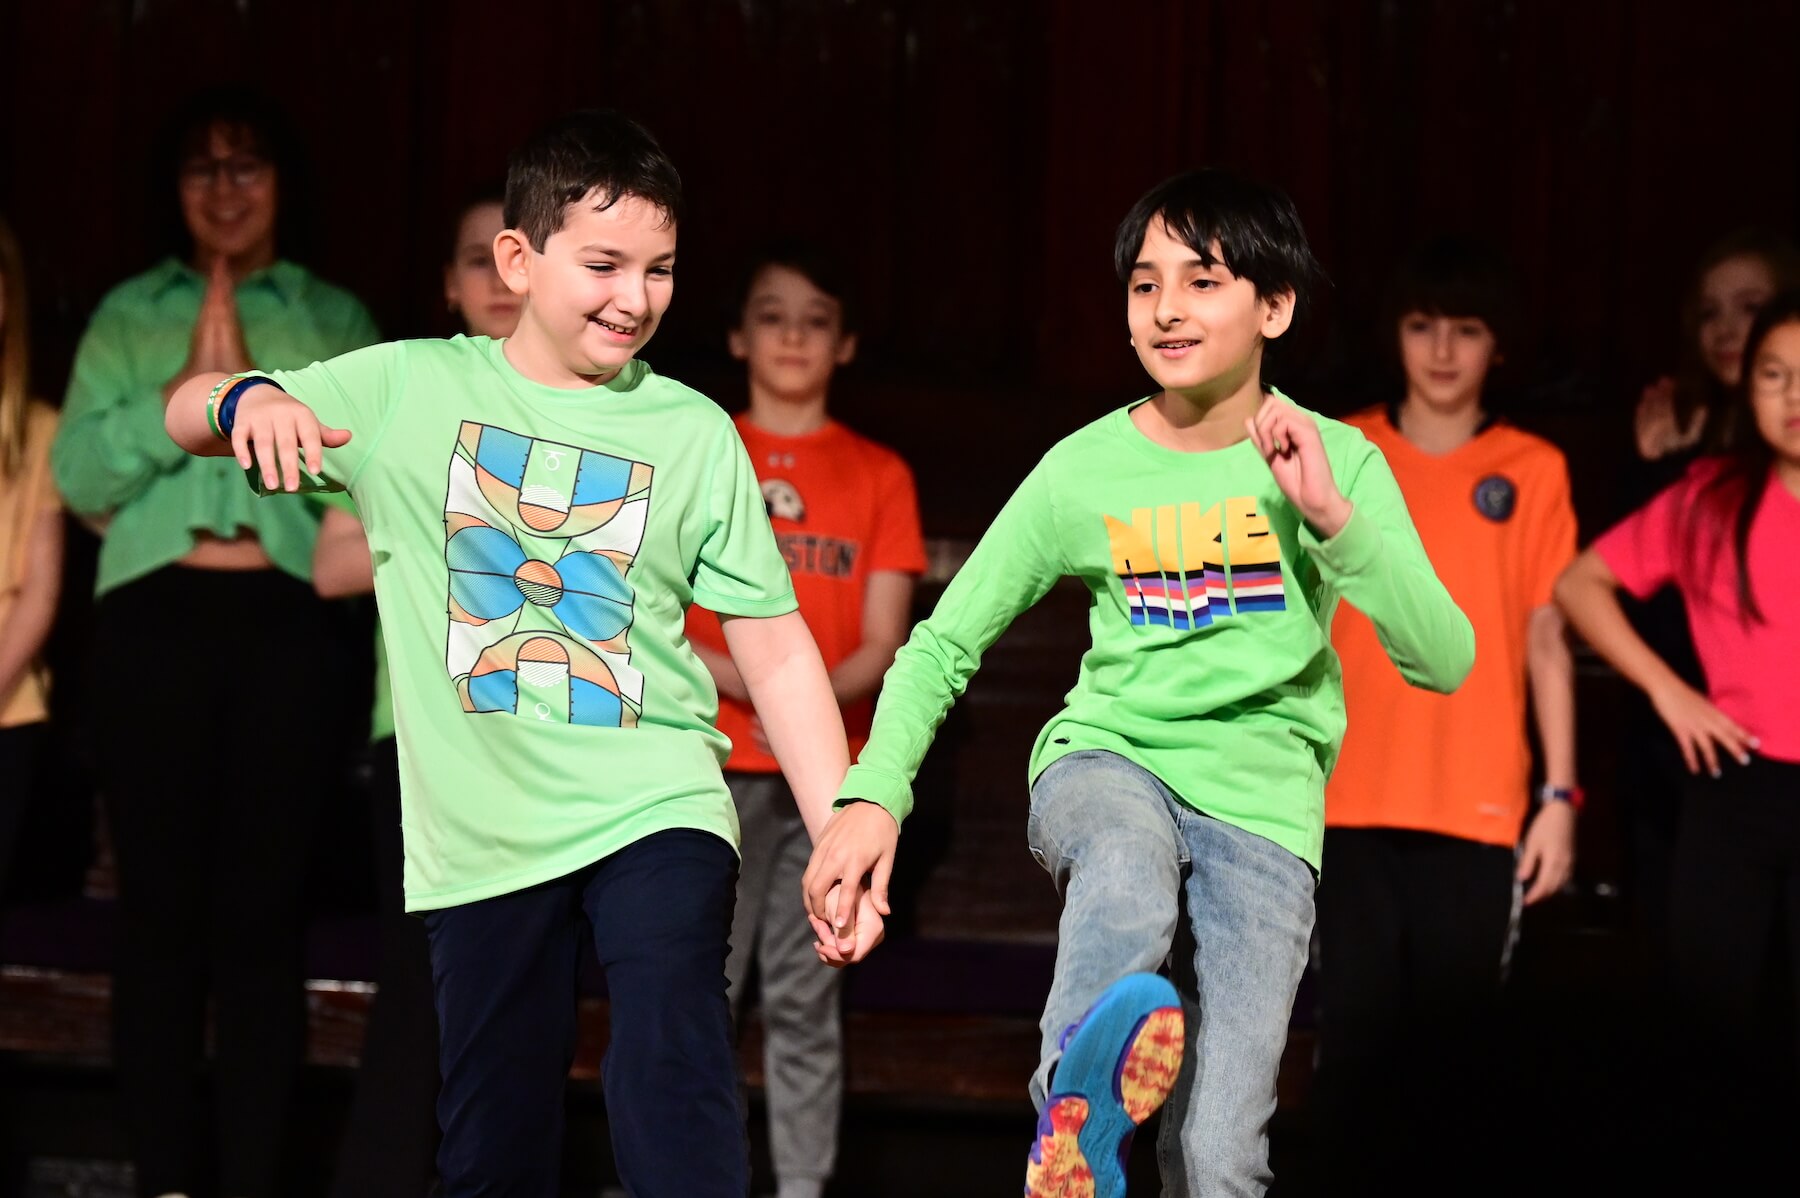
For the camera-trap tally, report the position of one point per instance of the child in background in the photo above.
(847, 520)
(1215, 525)
(211, 876)
(31, 549)
(1424, 812)
(1728, 536)
(559, 765)
(1679, 414)
(1678, 419)
(389, 1140)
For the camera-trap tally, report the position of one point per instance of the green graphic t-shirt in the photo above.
(535, 551)
(1211, 664)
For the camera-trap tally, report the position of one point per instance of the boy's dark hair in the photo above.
(491, 192)
(260, 128)
(594, 150)
(819, 267)
(1456, 276)
(1255, 225)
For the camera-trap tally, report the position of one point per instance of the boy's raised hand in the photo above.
(1289, 442)
(858, 842)
(281, 434)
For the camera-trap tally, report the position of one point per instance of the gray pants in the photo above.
(803, 1049)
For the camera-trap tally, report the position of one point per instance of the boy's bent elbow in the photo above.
(1463, 663)
(184, 420)
(174, 425)
(1444, 672)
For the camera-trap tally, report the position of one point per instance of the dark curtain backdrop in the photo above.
(970, 158)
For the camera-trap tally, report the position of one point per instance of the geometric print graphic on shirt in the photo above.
(1184, 567)
(539, 537)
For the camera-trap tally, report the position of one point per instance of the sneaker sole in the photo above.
(1118, 1069)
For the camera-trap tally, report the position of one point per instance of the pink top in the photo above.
(1684, 536)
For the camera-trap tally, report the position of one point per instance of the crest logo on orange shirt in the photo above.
(1495, 497)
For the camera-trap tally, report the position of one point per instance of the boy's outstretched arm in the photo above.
(273, 430)
(787, 683)
(1018, 559)
(1367, 550)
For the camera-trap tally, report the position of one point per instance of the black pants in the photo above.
(213, 692)
(392, 1134)
(1651, 782)
(21, 752)
(1413, 934)
(505, 972)
(1735, 940)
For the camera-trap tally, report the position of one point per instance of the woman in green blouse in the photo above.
(211, 861)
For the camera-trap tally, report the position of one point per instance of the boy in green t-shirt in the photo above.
(1216, 526)
(541, 511)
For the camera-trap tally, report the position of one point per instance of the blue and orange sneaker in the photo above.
(1118, 1065)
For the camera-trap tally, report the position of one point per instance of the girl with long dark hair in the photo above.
(1727, 536)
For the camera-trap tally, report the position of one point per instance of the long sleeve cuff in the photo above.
(866, 783)
(1352, 550)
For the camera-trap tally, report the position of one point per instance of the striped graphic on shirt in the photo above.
(1183, 567)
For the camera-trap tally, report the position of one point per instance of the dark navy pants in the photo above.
(504, 970)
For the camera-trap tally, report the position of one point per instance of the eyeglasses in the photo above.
(241, 170)
(1772, 378)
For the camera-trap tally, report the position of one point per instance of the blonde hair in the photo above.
(15, 375)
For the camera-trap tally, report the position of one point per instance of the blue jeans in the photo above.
(1125, 853)
(505, 970)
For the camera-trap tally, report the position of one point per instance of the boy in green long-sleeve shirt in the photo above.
(1216, 526)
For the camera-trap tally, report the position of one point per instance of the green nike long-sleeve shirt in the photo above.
(1210, 612)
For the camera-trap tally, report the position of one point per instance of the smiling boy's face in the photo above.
(1197, 328)
(599, 288)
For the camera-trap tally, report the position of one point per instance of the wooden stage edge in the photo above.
(921, 1058)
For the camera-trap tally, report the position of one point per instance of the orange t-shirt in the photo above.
(843, 508)
(1498, 525)
(23, 498)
